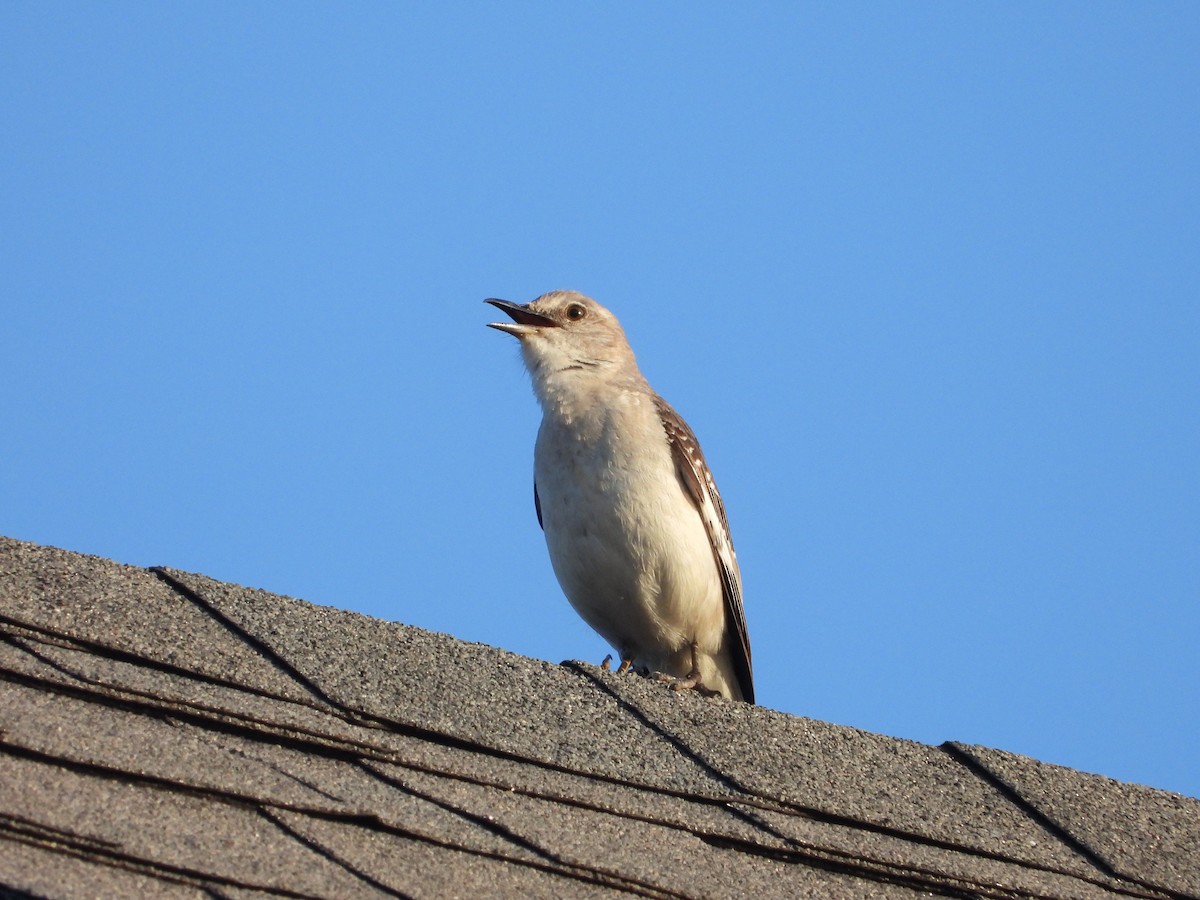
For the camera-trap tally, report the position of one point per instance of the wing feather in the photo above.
(698, 483)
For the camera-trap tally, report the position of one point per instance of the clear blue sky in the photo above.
(923, 277)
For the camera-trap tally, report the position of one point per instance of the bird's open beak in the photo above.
(524, 320)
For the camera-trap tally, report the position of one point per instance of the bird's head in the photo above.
(564, 334)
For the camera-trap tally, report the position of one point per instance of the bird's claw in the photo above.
(625, 666)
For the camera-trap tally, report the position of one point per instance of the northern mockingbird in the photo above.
(635, 527)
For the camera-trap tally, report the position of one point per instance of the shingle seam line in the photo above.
(106, 651)
(105, 854)
(359, 752)
(251, 640)
(321, 850)
(507, 834)
(727, 780)
(979, 769)
(360, 819)
(818, 815)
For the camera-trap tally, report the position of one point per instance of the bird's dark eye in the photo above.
(576, 311)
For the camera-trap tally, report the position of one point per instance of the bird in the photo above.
(635, 528)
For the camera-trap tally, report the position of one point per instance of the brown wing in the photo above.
(698, 483)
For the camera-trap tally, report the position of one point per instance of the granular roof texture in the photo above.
(164, 734)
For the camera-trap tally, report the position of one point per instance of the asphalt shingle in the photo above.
(163, 733)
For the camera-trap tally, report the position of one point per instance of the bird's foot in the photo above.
(691, 682)
(624, 667)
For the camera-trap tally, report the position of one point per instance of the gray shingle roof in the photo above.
(165, 734)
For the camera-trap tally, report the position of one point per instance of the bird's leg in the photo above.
(692, 681)
(607, 664)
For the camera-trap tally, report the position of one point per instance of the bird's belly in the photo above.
(631, 554)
